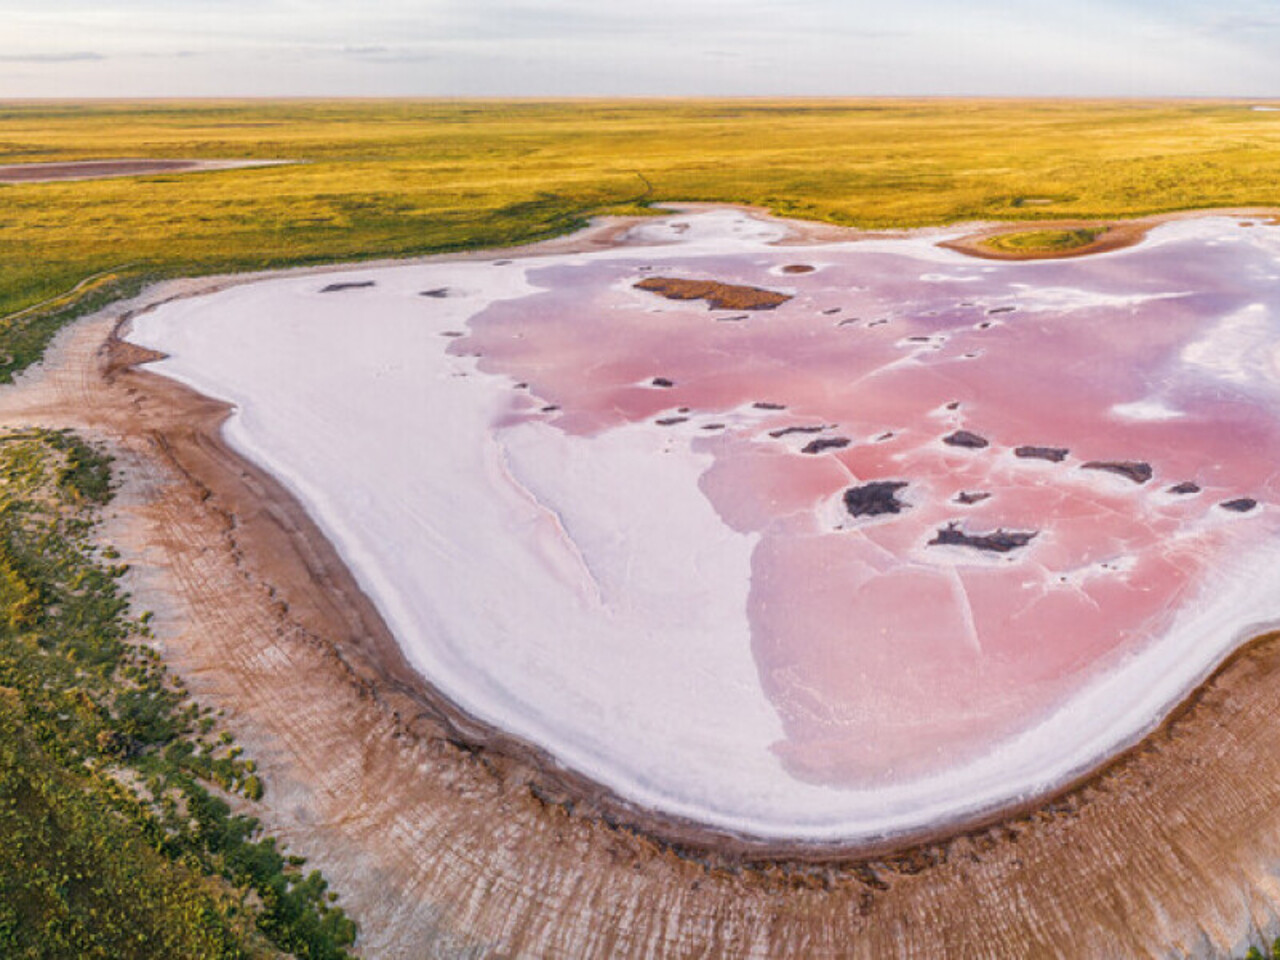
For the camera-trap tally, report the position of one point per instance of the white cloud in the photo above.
(585, 47)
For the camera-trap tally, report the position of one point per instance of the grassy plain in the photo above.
(390, 178)
(115, 837)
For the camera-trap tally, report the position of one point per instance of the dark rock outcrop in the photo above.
(1053, 454)
(1242, 505)
(966, 439)
(825, 443)
(1001, 541)
(1135, 470)
(353, 285)
(787, 431)
(875, 498)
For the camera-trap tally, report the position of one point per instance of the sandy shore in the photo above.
(445, 842)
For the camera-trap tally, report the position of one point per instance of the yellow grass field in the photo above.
(379, 178)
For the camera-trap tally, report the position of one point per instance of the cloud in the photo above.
(1246, 25)
(659, 47)
(383, 54)
(73, 57)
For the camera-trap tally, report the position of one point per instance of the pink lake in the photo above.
(933, 536)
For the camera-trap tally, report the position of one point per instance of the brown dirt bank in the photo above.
(99, 169)
(440, 848)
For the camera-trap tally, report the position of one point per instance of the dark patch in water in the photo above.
(875, 498)
(966, 439)
(1052, 454)
(1243, 505)
(1001, 541)
(1135, 470)
(353, 285)
(787, 431)
(825, 443)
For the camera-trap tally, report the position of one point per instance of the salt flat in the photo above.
(589, 515)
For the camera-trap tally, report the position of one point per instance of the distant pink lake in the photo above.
(932, 536)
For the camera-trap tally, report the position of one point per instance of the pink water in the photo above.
(885, 655)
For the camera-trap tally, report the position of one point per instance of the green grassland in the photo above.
(392, 178)
(117, 836)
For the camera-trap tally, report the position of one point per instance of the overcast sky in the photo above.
(79, 48)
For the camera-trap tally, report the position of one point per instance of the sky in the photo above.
(125, 48)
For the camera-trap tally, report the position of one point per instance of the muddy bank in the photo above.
(441, 844)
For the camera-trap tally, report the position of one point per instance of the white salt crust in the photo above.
(581, 593)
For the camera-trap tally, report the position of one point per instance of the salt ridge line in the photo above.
(855, 814)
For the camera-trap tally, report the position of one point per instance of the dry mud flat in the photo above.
(439, 849)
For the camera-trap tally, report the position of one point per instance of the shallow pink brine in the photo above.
(975, 487)
(808, 541)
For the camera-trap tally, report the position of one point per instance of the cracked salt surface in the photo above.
(688, 612)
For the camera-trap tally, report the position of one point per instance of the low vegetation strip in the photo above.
(25, 333)
(398, 178)
(62, 299)
(117, 838)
